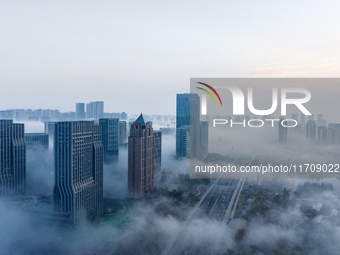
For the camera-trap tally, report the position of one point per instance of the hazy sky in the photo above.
(136, 55)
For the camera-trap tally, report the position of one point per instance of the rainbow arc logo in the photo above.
(209, 92)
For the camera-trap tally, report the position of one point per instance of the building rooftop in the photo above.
(140, 121)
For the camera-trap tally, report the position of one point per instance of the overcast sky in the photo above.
(136, 55)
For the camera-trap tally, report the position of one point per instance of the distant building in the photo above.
(322, 134)
(36, 140)
(110, 136)
(50, 130)
(167, 131)
(319, 120)
(157, 157)
(123, 116)
(295, 117)
(140, 158)
(78, 190)
(33, 118)
(303, 121)
(95, 110)
(7, 115)
(80, 111)
(122, 130)
(203, 136)
(311, 130)
(334, 133)
(12, 158)
(283, 132)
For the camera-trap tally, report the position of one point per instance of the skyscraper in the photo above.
(294, 116)
(122, 130)
(78, 190)
(157, 157)
(80, 111)
(319, 120)
(203, 136)
(185, 114)
(303, 121)
(50, 130)
(95, 110)
(36, 140)
(12, 158)
(123, 116)
(188, 113)
(140, 158)
(334, 133)
(322, 134)
(183, 142)
(282, 132)
(109, 128)
(311, 130)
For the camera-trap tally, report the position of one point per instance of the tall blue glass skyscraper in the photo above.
(187, 114)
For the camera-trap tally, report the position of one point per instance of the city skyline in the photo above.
(169, 127)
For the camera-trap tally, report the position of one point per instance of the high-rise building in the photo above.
(203, 136)
(95, 110)
(80, 111)
(123, 116)
(78, 190)
(110, 136)
(8, 115)
(282, 132)
(12, 158)
(188, 113)
(311, 130)
(140, 158)
(322, 134)
(122, 130)
(334, 133)
(295, 117)
(183, 142)
(36, 140)
(319, 120)
(50, 130)
(303, 121)
(157, 157)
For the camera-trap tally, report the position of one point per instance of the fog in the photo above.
(26, 228)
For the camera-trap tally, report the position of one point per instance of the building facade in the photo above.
(12, 158)
(140, 158)
(110, 134)
(322, 135)
(183, 142)
(95, 110)
(188, 113)
(122, 130)
(80, 111)
(78, 190)
(311, 130)
(283, 132)
(157, 157)
(36, 140)
(334, 133)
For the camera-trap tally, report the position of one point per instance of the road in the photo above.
(219, 204)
